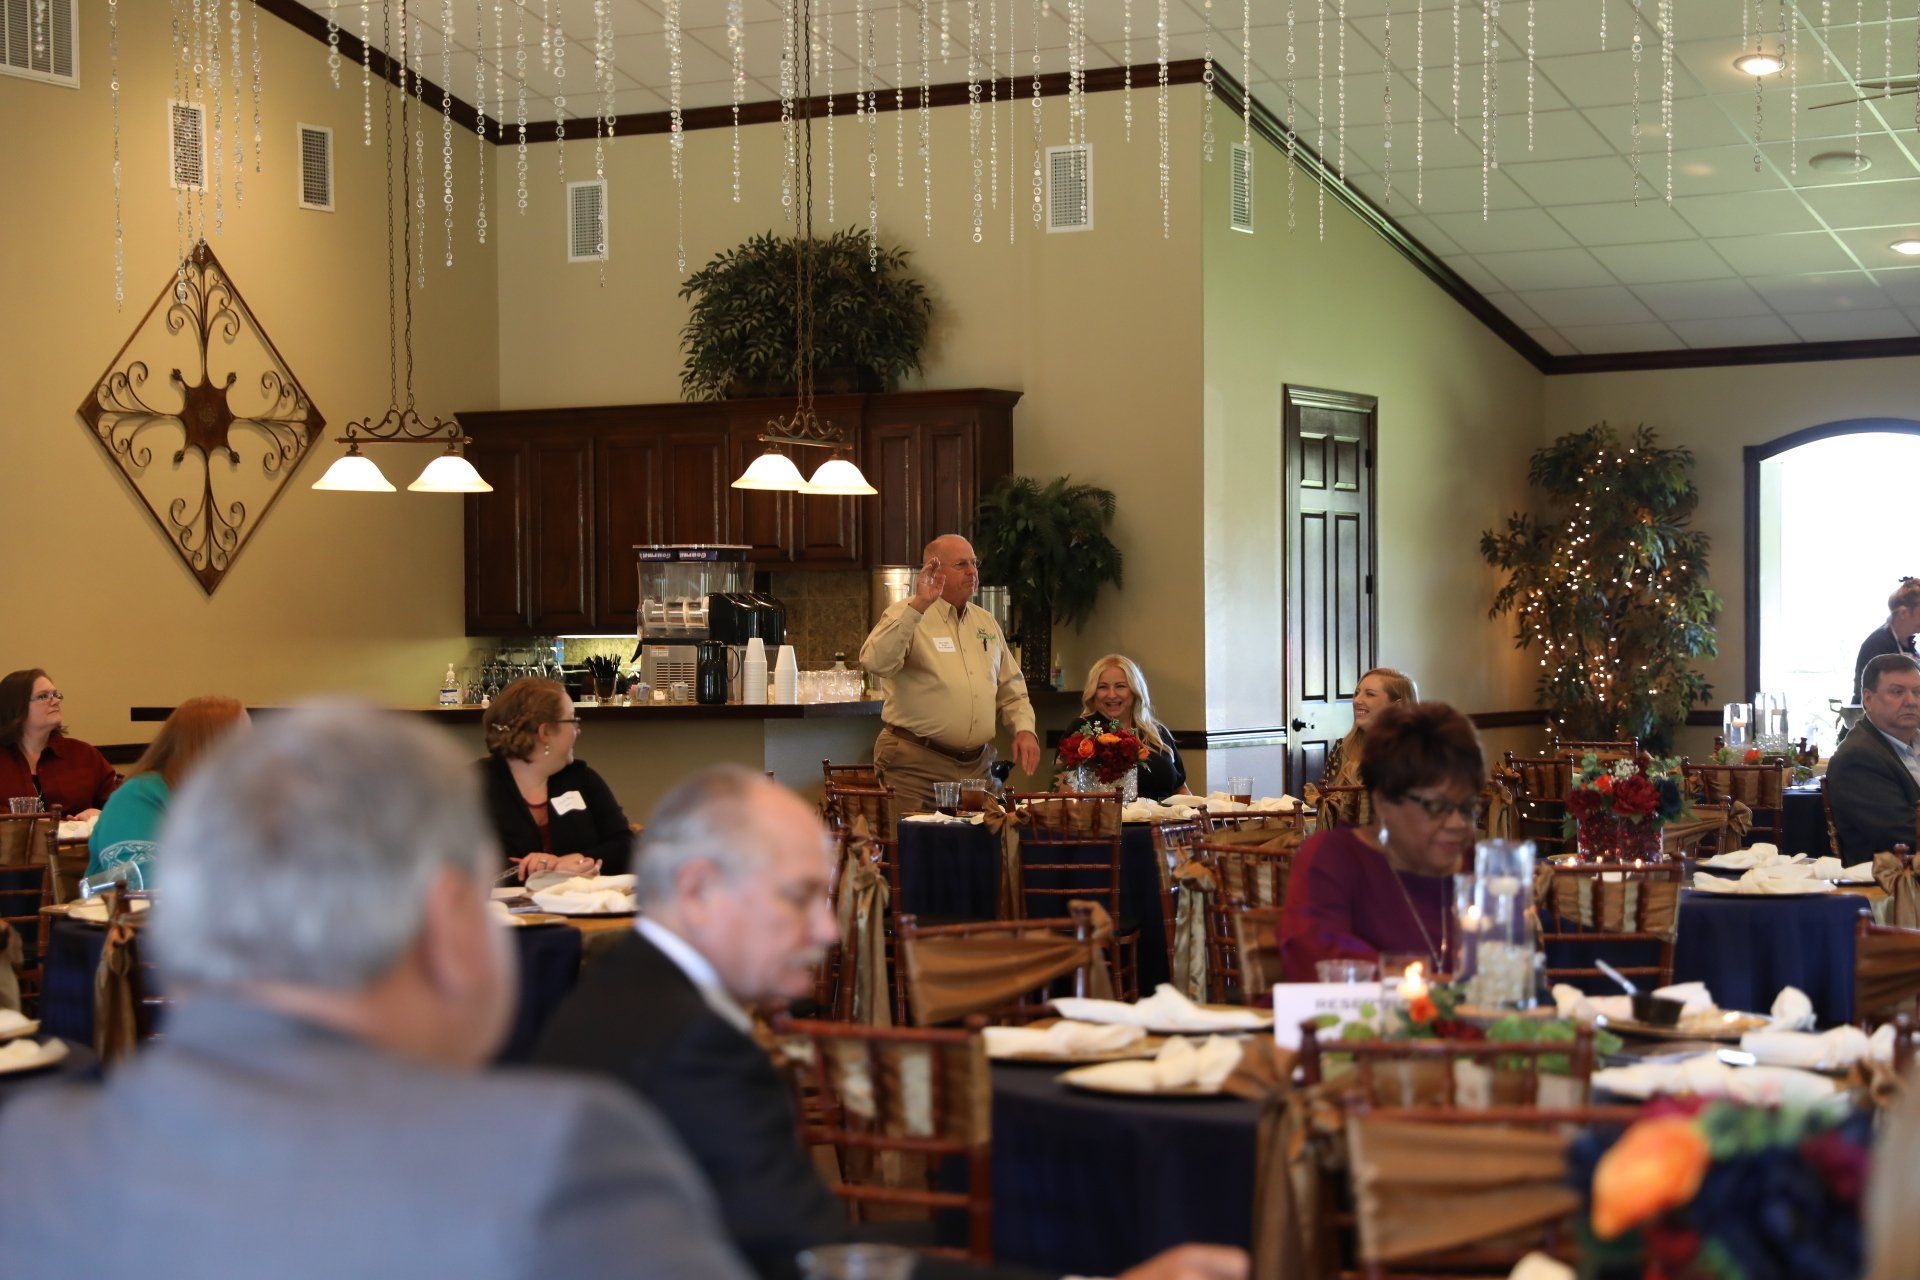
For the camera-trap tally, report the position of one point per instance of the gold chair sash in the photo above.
(1886, 972)
(1297, 1139)
(949, 978)
(1196, 887)
(864, 901)
(1903, 890)
(1005, 827)
(1739, 823)
(1424, 1188)
(116, 1029)
(1503, 813)
(901, 1102)
(1630, 906)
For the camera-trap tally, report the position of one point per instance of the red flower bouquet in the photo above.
(1616, 809)
(1103, 747)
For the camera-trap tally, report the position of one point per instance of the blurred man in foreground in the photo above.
(316, 1106)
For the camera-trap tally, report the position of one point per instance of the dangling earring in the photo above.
(547, 751)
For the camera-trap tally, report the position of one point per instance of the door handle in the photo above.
(1299, 725)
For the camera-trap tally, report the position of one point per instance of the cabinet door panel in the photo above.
(762, 518)
(562, 562)
(951, 485)
(893, 517)
(626, 503)
(497, 600)
(695, 479)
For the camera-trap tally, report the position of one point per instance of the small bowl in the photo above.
(1657, 1011)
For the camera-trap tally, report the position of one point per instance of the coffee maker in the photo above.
(734, 618)
(695, 593)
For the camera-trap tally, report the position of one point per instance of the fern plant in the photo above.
(869, 324)
(1048, 545)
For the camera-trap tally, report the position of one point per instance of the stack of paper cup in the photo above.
(786, 677)
(753, 672)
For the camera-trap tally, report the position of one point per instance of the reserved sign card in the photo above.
(1296, 1002)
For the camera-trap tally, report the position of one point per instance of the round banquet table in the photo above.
(952, 870)
(1803, 823)
(80, 1066)
(549, 957)
(1092, 1184)
(1747, 948)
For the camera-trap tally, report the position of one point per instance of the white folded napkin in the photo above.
(1574, 1003)
(1154, 811)
(1759, 855)
(1791, 1011)
(1166, 1010)
(1538, 1266)
(1832, 1050)
(1762, 881)
(1061, 1040)
(1180, 1064)
(25, 1052)
(1831, 868)
(12, 1020)
(587, 895)
(947, 818)
(76, 828)
(1707, 1076)
(1276, 804)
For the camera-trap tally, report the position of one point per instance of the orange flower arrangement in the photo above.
(1109, 751)
(1421, 1010)
(1657, 1165)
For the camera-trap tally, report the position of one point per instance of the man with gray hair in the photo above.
(316, 1108)
(732, 874)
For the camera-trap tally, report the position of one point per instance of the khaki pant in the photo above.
(911, 770)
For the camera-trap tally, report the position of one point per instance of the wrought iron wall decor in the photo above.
(226, 393)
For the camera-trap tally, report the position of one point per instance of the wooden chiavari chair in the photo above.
(984, 936)
(1244, 876)
(1575, 749)
(1540, 785)
(1173, 844)
(1256, 945)
(1886, 972)
(876, 807)
(870, 1091)
(849, 775)
(1441, 1088)
(28, 855)
(1343, 806)
(1070, 848)
(1761, 787)
(1594, 903)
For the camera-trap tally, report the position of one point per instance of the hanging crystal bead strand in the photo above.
(1038, 139)
(1634, 157)
(1667, 124)
(446, 118)
(1160, 109)
(816, 42)
(865, 18)
(234, 79)
(1206, 84)
(333, 41)
(113, 90)
(1246, 94)
(974, 157)
(1419, 102)
(1126, 68)
(557, 39)
(1530, 74)
(1386, 105)
(789, 140)
(366, 77)
(253, 40)
(926, 116)
(677, 136)
(520, 106)
(1292, 105)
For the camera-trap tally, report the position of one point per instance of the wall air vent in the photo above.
(316, 167)
(1070, 188)
(187, 146)
(1241, 218)
(587, 220)
(38, 39)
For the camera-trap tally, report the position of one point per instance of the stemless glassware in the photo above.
(1503, 966)
(1736, 720)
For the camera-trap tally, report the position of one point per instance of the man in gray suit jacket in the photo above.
(1873, 780)
(316, 1107)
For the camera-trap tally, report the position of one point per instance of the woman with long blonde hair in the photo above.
(1380, 687)
(1116, 690)
(130, 820)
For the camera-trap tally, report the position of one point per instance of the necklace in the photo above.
(1433, 956)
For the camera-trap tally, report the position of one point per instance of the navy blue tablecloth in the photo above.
(81, 1065)
(549, 957)
(1091, 1184)
(1803, 823)
(953, 870)
(1747, 948)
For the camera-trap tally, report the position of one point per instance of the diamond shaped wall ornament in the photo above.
(209, 447)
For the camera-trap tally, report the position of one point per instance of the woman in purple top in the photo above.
(1356, 892)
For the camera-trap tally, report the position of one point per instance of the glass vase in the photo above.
(1607, 838)
(1082, 779)
(1499, 920)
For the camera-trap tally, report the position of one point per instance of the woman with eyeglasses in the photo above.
(1359, 892)
(37, 755)
(551, 812)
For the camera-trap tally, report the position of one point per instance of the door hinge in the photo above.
(1369, 584)
(1369, 459)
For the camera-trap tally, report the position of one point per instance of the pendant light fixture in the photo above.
(838, 475)
(354, 472)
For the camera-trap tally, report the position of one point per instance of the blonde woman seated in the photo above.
(1117, 691)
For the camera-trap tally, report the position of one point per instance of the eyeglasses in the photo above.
(1439, 809)
(46, 695)
(574, 720)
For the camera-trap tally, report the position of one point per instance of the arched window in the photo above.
(1832, 527)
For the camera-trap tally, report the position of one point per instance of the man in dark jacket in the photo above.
(732, 874)
(1873, 780)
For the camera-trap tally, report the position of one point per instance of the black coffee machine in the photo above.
(734, 617)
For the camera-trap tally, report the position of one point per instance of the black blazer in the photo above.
(598, 831)
(636, 1017)
(1872, 794)
(1879, 643)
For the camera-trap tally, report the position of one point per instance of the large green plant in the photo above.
(869, 325)
(1048, 545)
(1610, 585)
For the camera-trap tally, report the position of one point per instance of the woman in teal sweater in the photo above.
(130, 821)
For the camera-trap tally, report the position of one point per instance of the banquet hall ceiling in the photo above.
(1742, 255)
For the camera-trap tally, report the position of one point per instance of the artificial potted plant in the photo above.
(870, 318)
(1048, 545)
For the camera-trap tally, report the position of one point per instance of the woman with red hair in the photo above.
(130, 822)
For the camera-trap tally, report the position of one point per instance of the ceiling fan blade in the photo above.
(1905, 83)
(1870, 97)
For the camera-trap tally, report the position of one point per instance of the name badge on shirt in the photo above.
(945, 644)
(567, 802)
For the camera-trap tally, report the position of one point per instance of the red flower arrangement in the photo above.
(1102, 746)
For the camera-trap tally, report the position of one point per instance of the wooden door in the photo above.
(891, 465)
(1332, 631)
(951, 491)
(694, 480)
(560, 482)
(626, 507)
(497, 598)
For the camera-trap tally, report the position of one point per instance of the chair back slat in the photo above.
(1617, 902)
(1540, 785)
(1071, 843)
(28, 854)
(1256, 945)
(1244, 875)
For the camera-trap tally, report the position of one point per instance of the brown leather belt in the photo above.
(931, 745)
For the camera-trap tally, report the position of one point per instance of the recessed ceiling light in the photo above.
(1839, 162)
(1758, 64)
(1909, 247)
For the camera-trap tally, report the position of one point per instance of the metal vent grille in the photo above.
(587, 220)
(187, 146)
(316, 167)
(37, 39)
(1242, 216)
(1070, 188)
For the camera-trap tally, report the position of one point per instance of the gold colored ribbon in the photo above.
(865, 897)
(949, 978)
(1005, 827)
(12, 958)
(1195, 886)
(1903, 906)
(116, 1029)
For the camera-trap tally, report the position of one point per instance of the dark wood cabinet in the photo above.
(550, 550)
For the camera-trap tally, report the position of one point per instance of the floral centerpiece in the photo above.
(1718, 1189)
(1615, 810)
(1802, 763)
(1100, 755)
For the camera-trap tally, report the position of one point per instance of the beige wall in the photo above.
(1101, 330)
(337, 592)
(1716, 413)
(1458, 412)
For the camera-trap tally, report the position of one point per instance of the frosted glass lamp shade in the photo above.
(353, 472)
(450, 473)
(838, 477)
(771, 470)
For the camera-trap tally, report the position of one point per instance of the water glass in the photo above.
(1736, 720)
(25, 804)
(858, 1262)
(1241, 789)
(1345, 971)
(946, 797)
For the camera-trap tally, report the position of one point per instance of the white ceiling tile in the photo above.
(1557, 135)
(1608, 305)
(1546, 269)
(1453, 191)
(1746, 213)
(1837, 291)
(1716, 170)
(1599, 339)
(1517, 311)
(1503, 229)
(1843, 326)
(1623, 222)
(1889, 161)
(1697, 122)
(1574, 181)
(1443, 146)
(1702, 300)
(1734, 331)
(1606, 79)
(1867, 204)
(1874, 248)
(1423, 230)
(1901, 286)
(1782, 255)
(1473, 273)
(1663, 263)
(1551, 340)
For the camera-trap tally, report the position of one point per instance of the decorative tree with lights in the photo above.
(1609, 584)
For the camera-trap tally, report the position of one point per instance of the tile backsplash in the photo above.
(826, 614)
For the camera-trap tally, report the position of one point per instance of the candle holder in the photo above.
(1495, 926)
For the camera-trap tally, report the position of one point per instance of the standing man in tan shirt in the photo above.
(950, 681)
